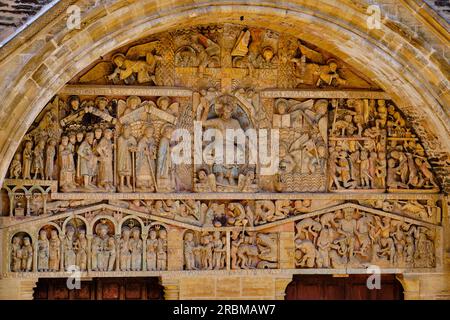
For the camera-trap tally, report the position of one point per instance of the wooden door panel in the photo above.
(100, 289)
(326, 287)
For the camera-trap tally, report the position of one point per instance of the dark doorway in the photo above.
(353, 287)
(100, 289)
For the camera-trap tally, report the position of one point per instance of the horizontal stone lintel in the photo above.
(324, 93)
(417, 195)
(219, 273)
(121, 90)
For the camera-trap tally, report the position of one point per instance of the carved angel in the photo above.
(130, 68)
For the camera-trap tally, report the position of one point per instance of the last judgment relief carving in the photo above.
(322, 167)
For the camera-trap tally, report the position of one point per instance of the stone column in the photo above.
(144, 251)
(17, 289)
(175, 258)
(281, 284)
(171, 287)
(411, 286)
(287, 246)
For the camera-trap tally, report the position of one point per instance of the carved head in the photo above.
(70, 231)
(17, 157)
(281, 106)
(74, 102)
(133, 102)
(152, 234)
(333, 65)
(101, 103)
(82, 234)
(202, 175)
(163, 102)
(53, 234)
(149, 131)
(125, 233)
(16, 240)
(102, 230)
(64, 140)
(136, 232)
(26, 241)
(80, 136)
(158, 205)
(108, 134)
(43, 235)
(162, 234)
(98, 133)
(267, 53)
(391, 163)
(28, 145)
(118, 59)
(348, 213)
(167, 131)
(188, 236)
(90, 137)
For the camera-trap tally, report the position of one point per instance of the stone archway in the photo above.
(368, 103)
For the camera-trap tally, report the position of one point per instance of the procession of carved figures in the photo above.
(89, 148)
(354, 238)
(357, 143)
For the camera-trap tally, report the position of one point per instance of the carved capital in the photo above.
(281, 284)
(411, 286)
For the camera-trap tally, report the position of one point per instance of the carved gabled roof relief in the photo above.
(219, 147)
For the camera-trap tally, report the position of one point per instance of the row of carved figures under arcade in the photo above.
(346, 237)
(335, 145)
(104, 251)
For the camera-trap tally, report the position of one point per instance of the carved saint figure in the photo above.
(189, 247)
(161, 253)
(152, 244)
(81, 247)
(43, 252)
(218, 251)
(54, 253)
(88, 161)
(68, 248)
(100, 256)
(38, 160)
(126, 146)
(110, 253)
(16, 254)
(145, 161)
(27, 157)
(50, 159)
(165, 175)
(105, 169)
(125, 252)
(135, 244)
(27, 255)
(15, 170)
(67, 165)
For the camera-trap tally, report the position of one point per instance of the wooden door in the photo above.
(327, 287)
(100, 289)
